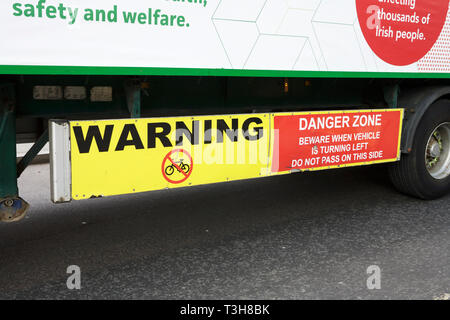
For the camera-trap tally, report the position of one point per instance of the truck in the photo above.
(137, 96)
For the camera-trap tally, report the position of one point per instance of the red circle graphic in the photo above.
(401, 32)
(174, 167)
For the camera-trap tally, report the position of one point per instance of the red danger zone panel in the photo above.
(312, 141)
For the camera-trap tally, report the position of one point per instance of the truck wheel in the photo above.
(425, 172)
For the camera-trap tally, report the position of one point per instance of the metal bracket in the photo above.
(133, 94)
(8, 170)
(391, 94)
(60, 169)
(32, 153)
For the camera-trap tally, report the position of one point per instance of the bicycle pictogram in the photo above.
(180, 166)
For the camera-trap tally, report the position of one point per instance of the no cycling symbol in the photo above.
(177, 166)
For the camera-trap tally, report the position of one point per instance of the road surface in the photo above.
(303, 236)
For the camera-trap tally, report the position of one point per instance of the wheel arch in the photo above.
(417, 102)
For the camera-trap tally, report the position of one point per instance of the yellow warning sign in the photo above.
(112, 157)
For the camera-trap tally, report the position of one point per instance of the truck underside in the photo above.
(28, 102)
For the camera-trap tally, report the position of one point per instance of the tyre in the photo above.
(185, 168)
(425, 172)
(170, 170)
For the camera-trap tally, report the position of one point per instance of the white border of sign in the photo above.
(60, 174)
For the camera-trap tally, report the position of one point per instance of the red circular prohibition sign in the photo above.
(179, 167)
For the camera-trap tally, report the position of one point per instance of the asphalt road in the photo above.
(303, 236)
